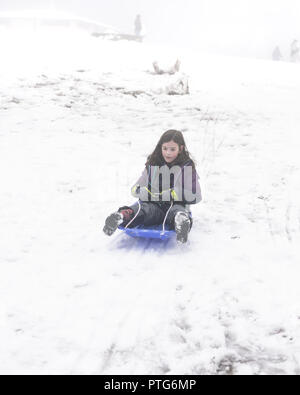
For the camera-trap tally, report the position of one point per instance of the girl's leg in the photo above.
(149, 214)
(180, 220)
(175, 210)
(121, 217)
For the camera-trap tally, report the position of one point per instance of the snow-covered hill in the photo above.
(77, 120)
(40, 19)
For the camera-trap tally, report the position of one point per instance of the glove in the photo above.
(174, 196)
(141, 192)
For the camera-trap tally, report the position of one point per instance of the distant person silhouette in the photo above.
(138, 27)
(295, 51)
(276, 55)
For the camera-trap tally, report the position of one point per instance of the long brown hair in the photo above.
(157, 159)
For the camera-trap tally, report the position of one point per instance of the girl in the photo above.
(168, 185)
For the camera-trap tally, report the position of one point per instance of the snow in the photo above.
(35, 14)
(74, 136)
(47, 16)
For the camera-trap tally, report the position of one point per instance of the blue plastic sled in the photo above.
(151, 232)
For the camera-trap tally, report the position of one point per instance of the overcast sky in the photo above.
(241, 27)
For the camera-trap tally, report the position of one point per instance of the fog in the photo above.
(235, 27)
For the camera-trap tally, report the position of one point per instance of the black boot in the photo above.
(112, 223)
(182, 227)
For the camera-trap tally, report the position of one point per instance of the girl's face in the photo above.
(170, 151)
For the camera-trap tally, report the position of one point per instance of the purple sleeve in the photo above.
(196, 186)
(141, 182)
(189, 190)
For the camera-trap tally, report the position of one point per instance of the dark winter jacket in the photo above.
(166, 183)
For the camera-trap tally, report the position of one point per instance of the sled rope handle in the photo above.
(164, 223)
(135, 215)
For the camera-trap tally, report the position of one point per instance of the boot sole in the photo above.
(111, 224)
(183, 232)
